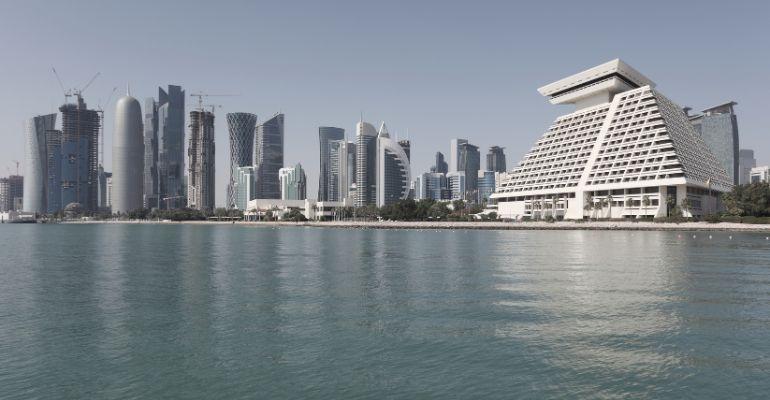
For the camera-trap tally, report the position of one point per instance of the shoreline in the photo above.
(478, 225)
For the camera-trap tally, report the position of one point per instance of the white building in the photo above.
(625, 152)
(393, 170)
(456, 185)
(760, 174)
(312, 210)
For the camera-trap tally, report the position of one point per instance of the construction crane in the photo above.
(74, 91)
(201, 95)
(100, 110)
(17, 166)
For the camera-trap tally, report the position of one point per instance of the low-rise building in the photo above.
(760, 174)
(313, 210)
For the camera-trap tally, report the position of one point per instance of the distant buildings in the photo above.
(200, 192)
(432, 186)
(244, 186)
(326, 180)
(341, 169)
(79, 155)
(105, 190)
(440, 166)
(454, 154)
(718, 127)
(127, 157)
(625, 152)
(456, 185)
(469, 162)
(293, 183)
(760, 174)
(35, 195)
(11, 193)
(164, 134)
(240, 127)
(486, 186)
(496, 159)
(393, 169)
(268, 157)
(746, 162)
(366, 164)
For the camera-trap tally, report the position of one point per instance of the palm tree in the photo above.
(609, 201)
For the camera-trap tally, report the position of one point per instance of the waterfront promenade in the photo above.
(488, 225)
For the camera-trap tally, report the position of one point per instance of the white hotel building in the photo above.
(625, 152)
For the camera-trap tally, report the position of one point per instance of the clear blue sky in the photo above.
(439, 69)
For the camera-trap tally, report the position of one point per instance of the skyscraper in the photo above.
(53, 140)
(268, 157)
(293, 183)
(496, 159)
(626, 151)
(201, 189)
(151, 174)
(745, 163)
(718, 126)
(393, 169)
(240, 127)
(440, 165)
(470, 163)
(105, 190)
(454, 154)
(11, 191)
(127, 156)
(170, 138)
(325, 135)
(79, 164)
(366, 164)
(244, 186)
(36, 163)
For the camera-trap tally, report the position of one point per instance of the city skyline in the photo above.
(423, 96)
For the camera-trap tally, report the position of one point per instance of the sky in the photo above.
(432, 70)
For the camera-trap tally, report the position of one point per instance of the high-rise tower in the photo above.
(36, 163)
(268, 157)
(366, 164)
(79, 162)
(470, 162)
(240, 127)
(171, 154)
(393, 169)
(151, 180)
(127, 156)
(718, 126)
(200, 192)
(327, 134)
(496, 159)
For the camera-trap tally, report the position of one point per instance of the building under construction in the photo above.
(79, 155)
(200, 191)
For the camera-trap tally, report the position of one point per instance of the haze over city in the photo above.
(431, 70)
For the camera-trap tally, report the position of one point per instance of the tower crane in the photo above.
(201, 95)
(100, 110)
(17, 166)
(74, 91)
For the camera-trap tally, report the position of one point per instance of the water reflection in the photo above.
(201, 311)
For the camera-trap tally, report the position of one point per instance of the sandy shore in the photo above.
(561, 225)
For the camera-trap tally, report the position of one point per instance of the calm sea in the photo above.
(203, 312)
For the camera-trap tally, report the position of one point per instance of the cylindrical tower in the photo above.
(241, 129)
(35, 163)
(127, 156)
